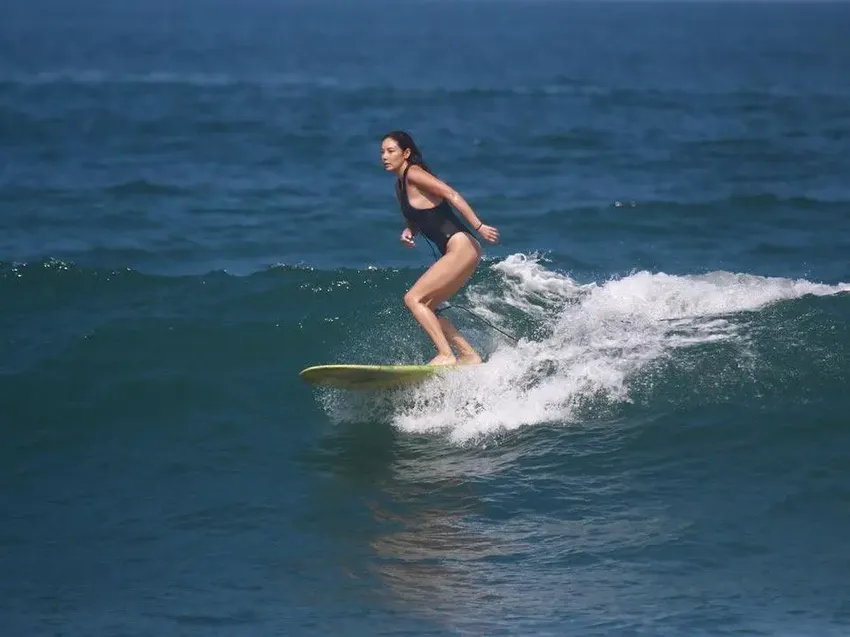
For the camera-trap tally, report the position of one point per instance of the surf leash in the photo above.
(446, 305)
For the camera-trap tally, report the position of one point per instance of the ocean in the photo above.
(193, 209)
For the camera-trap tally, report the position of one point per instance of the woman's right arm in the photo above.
(407, 237)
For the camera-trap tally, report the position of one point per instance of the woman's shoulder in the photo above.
(419, 174)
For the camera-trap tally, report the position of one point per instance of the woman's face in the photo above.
(392, 156)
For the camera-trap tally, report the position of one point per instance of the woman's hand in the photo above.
(488, 233)
(407, 237)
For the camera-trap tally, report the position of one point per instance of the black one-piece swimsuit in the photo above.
(438, 223)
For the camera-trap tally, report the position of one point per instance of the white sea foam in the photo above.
(598, 338)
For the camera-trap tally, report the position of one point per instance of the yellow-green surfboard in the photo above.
(370, 376)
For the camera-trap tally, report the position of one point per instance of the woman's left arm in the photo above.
(424, 180)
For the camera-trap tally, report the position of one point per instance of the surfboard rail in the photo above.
(362, 376)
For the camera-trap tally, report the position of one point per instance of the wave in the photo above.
(98, 77)
(144, 187)
(643, 339)
(644, 342)
(764, 203)
(671, 97)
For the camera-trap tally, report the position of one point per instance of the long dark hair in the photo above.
(405, 142)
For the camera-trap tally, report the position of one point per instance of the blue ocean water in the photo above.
(192, 209)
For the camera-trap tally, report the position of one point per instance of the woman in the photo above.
(424, 201)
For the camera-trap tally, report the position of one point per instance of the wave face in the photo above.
(676, 428)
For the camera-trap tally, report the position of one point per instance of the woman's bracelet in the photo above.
(479, 226)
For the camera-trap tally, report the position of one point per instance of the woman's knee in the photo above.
(412, 299)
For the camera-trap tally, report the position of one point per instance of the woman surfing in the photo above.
(425, 203)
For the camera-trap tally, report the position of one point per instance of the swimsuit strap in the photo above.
(403, 184)
(403, 201)
(401, 189)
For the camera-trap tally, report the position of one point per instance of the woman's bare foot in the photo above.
(469, 359)
(443, 359)
(465, 354)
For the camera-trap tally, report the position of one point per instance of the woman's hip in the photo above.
(464, 245)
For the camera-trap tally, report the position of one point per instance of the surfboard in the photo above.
(370, 376)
